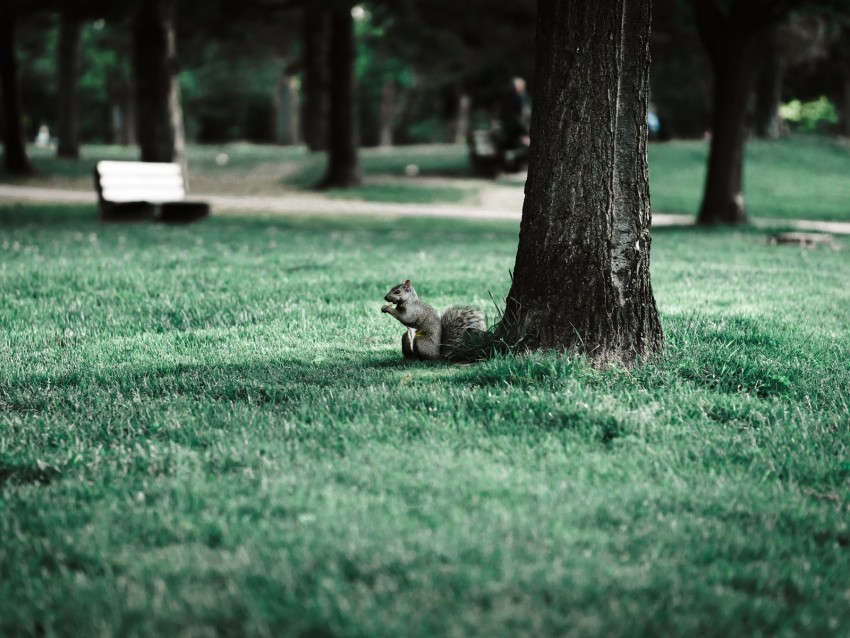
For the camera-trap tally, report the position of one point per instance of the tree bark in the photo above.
(68, 119)
(732, 41)
(581, 279)
(769, 89)
(159, 117)
(343, 162)
(315, 85)
(14, 142)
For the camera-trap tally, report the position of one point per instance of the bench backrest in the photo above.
(153, 182)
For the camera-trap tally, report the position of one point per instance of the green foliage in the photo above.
(36, 40)
(810, 116)
(229, 96)
(376, 66)
(680, 74)
(211, 429)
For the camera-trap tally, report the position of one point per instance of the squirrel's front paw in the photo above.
(386, 308)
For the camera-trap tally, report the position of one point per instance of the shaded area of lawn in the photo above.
(212, 429)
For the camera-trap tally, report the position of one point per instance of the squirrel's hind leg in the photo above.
(407, 343)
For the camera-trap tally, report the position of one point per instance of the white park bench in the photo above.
(137, 191)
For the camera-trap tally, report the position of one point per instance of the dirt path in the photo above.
(503, 203)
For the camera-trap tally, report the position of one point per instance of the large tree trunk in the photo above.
(343, 162)
(769, 89)
(68, 120)
(581, 279)
(14, 144)
(159, 117)
(315, 67)
(733, 43)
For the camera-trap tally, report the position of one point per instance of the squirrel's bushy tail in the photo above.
(458, 326)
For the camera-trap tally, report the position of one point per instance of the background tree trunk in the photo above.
(581, 279)
(461, 127)
(343, 162)
(387, 114)
(130, 121)
(14, 141)
(123, 114)
(723, 198)
(286, 110)
(769, 89)
(732, 41)
(68, 119)
(159, 117)
(315, 68)
(845, 106)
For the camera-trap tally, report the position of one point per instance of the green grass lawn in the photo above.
(210, 430)
(803, 177)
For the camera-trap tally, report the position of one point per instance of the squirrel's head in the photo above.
(401, 293)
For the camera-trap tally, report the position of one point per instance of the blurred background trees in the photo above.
(424, 71)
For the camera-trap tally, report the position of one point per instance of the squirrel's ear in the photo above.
(406, 283)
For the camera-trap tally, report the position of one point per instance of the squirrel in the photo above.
(428, 335)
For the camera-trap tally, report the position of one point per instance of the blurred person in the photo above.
(653, 123)
(516, 116)
(42, 139)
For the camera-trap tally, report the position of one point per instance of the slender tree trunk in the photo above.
(14, 141)
(128, 99)
(581, 279)
(464, 106)
(387, 114)
(733, 42)
(315, 85)
(286, 111)
(116, 120)
(123, 116)
(845, 115)
(769, 89)
(68, 120)
(159, 117)
(723, 199)
(343, 163)
(123, 113)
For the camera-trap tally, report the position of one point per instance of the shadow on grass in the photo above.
(277, 382)
(16, 216)
(26, 473)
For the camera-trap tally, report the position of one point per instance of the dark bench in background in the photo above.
(487, 156)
